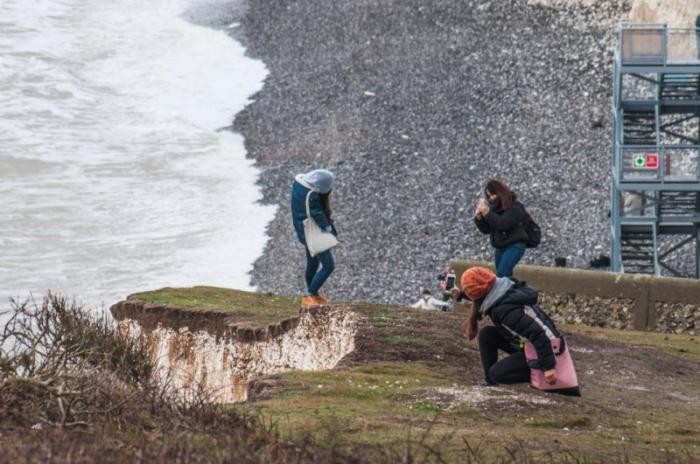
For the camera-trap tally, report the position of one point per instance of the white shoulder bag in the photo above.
(317, 240)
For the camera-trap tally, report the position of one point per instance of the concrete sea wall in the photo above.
(606, 299)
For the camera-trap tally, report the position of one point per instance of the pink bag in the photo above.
(567, 382)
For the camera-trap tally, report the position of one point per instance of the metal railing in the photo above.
(658, 45)
(677, 163)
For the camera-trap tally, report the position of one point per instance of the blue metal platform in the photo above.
(656, 151)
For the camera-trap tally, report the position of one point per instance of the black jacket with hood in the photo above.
(506, 226)
(512, 306)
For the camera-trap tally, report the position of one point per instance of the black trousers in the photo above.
(511, 369)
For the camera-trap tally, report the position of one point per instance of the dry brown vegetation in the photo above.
(73, 390)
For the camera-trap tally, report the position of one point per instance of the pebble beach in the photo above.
(414, 105)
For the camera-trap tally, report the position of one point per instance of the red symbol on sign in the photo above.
(652, 160)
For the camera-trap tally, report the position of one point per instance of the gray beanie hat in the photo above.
(320, 179)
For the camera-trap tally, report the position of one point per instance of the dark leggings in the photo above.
(314, 276)
(511, 369)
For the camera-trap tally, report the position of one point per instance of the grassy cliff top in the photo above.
(414, 374)
(253, 308)
(268, 307)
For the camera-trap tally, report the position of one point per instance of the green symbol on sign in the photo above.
(639, 161)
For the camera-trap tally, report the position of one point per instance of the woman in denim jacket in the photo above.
(319, 267)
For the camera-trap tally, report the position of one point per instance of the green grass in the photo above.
(426, 407)
(260, 307)
(383, 318)
(393, 392)
(406, 341)
(369, 404)
(382, 404)
(570, 422)
(683, 346)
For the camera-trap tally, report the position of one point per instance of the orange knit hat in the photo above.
(477, 281)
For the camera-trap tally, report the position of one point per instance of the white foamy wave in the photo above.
(112, 175)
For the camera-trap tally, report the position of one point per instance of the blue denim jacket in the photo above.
(299, 211)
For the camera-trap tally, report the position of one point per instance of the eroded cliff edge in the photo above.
(216, 352)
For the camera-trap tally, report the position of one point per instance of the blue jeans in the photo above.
(315, 277)
(507, 257)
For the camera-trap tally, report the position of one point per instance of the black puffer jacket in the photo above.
(517, 313)
(505, 225)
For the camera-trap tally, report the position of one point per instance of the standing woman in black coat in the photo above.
(503, 217)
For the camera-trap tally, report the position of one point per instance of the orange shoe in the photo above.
(308, 302)
(321, 299)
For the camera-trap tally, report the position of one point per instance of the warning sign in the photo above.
(646, 161)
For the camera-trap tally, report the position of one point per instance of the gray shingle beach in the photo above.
(415, 105)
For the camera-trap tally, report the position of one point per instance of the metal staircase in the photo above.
(638, 249)
(639, 127)
(656, 151)
(678, 203)
(680, 86)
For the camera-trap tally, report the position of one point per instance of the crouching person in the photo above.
(517, 321)
(427, 301)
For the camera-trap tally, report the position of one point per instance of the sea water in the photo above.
(115, 175)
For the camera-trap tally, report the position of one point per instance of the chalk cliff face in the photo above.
(674, 13)
(219, 363)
